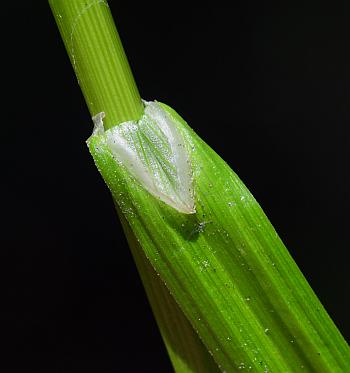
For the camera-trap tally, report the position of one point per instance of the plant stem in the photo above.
(224, 272)
(98, 58)
(105, 78)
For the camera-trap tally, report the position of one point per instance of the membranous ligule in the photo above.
(155, 153)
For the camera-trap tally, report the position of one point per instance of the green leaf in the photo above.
(186, 351)
(226, 267)
(209, 258)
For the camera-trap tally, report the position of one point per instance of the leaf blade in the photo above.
(228, 270)
(186, 351)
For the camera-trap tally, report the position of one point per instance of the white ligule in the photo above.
(154, 152)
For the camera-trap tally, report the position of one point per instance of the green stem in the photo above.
(98, 58)
(104, 75)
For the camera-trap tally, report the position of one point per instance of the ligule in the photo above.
(226, 267)
(153, 151)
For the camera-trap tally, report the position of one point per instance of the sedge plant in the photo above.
(224, 290)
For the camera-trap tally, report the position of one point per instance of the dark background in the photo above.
(268, 87)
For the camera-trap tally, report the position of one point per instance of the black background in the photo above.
(267, 86)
